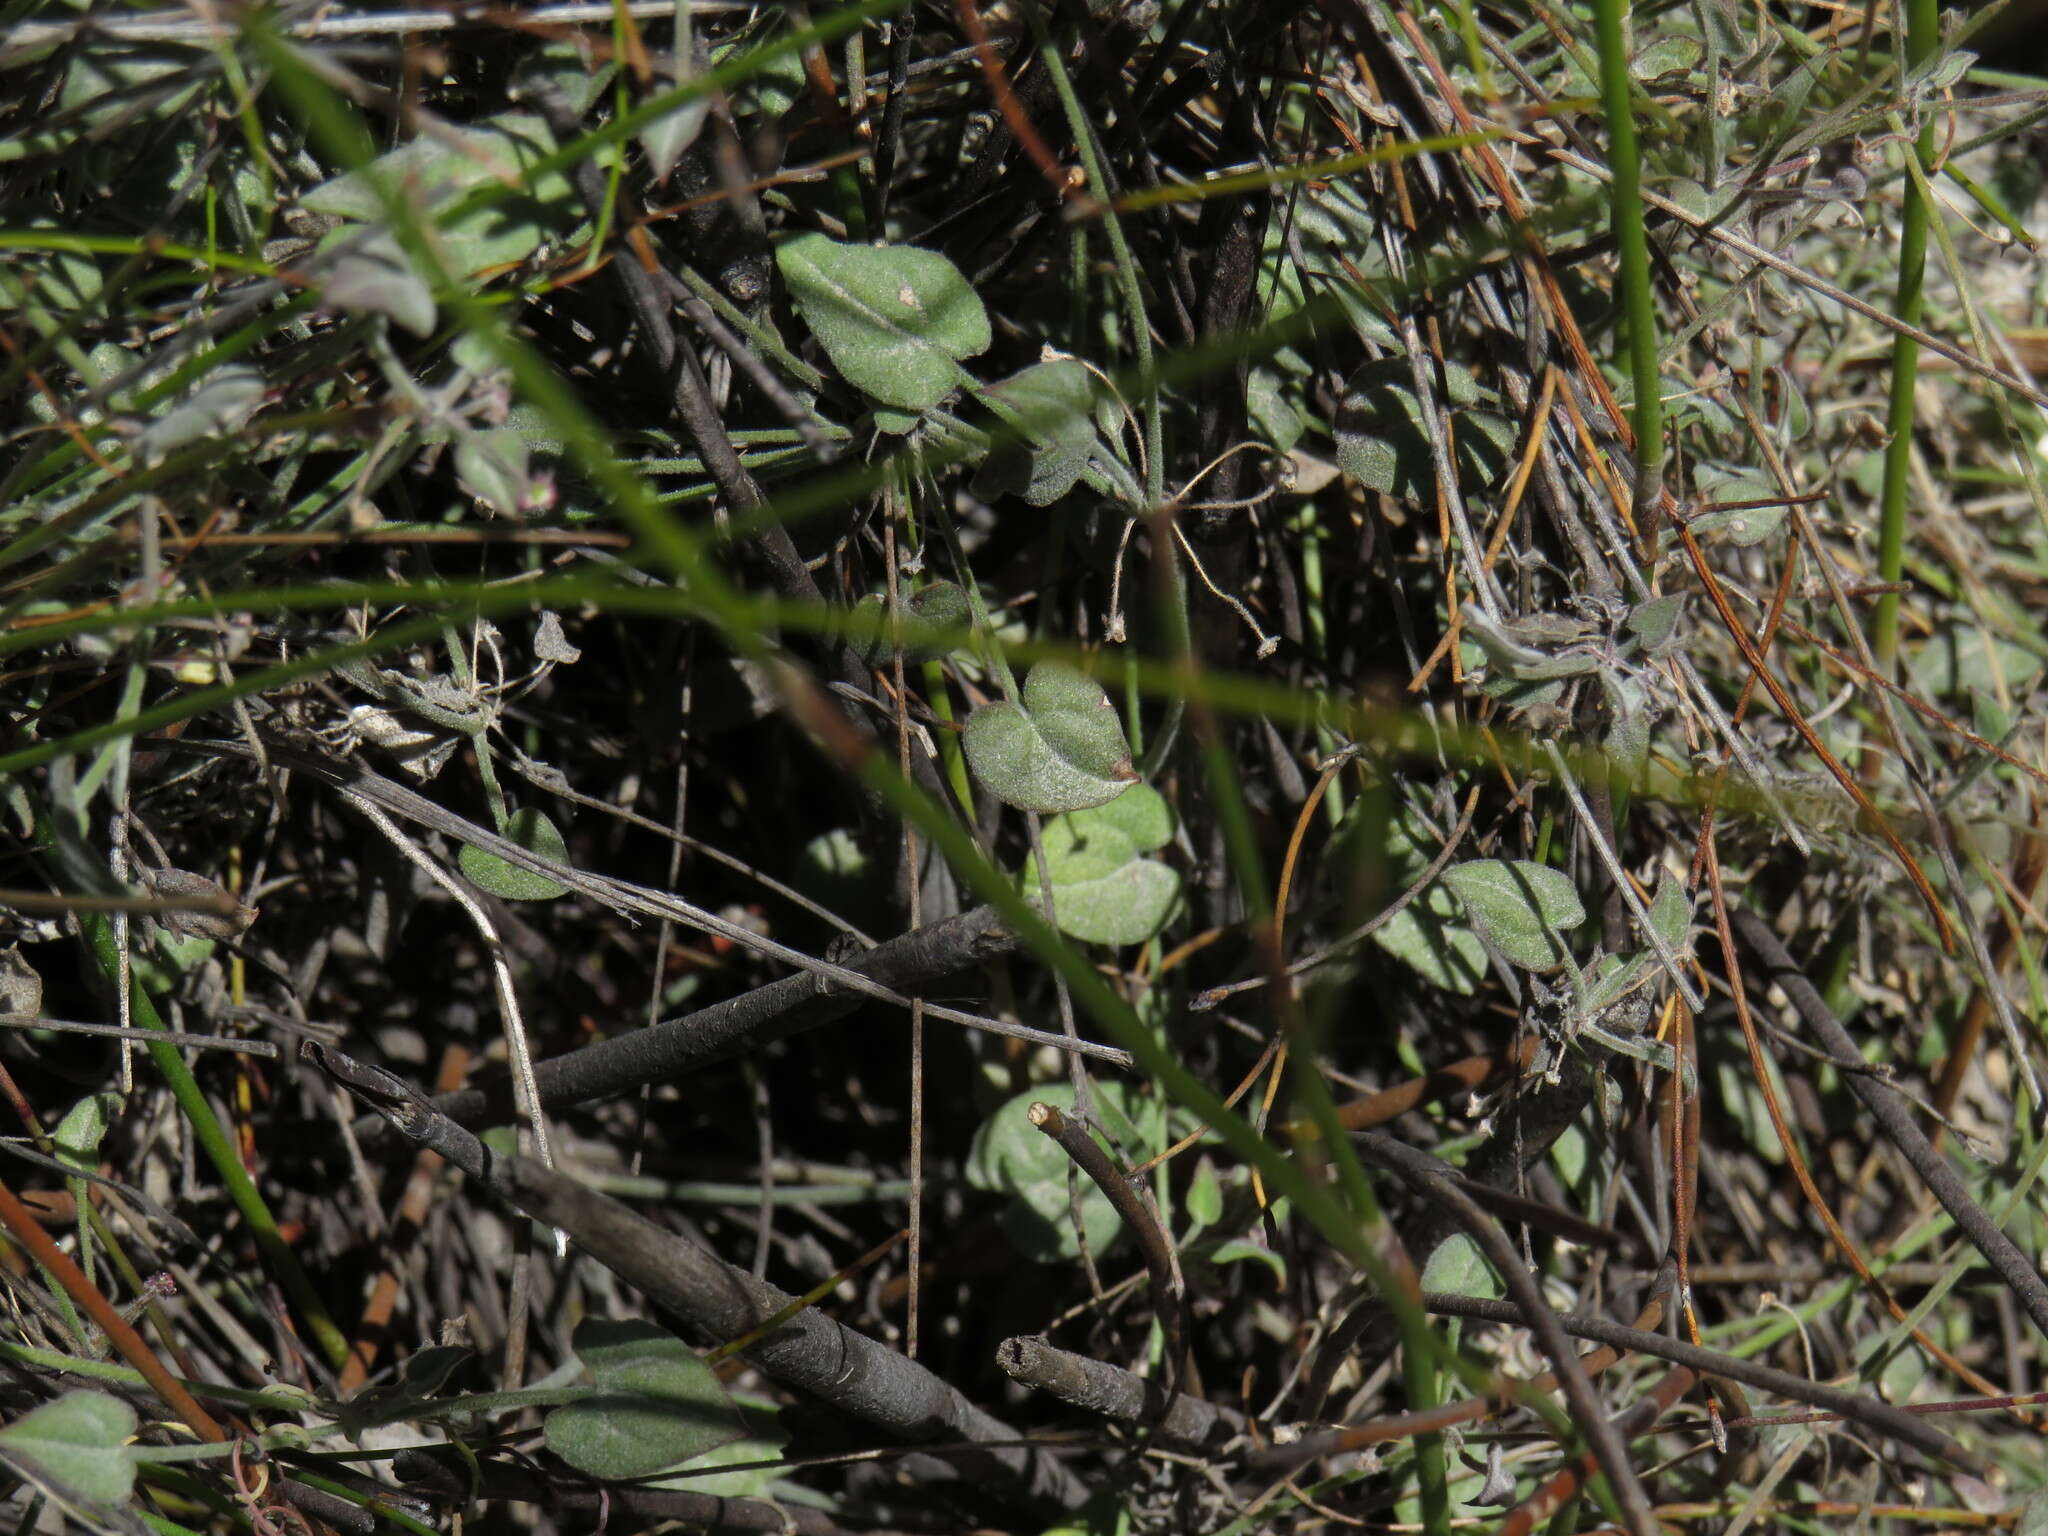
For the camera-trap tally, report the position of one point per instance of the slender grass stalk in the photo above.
(1625, 203)
(1923, 37)
(220, 1151)
(1421, 1344)
(1174, 589)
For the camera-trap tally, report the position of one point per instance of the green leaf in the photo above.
(665, 139)
(1272, 411)
(1012, 1156)
(1737, 525)
(1666, 56)
(1459, 1268)
(775, 87)
(1427, 936)
(1104, 891)
(1627, 738)
(429, 173)
(1205, 1195)
(1381, 443)
(532, 831)
(79, 1133)
(227, 399)
(895, 320)
(759, 1445)
(933, 618)
(1671, 913)
(1968, 661)
(1654, 622)
(430, 1370)
(492, 466)
(1061, 749)
(1696, 200)
(1572, 1154)
(1050, 406)
(371, 275)
(897, 423)
(1611, 977)
(566, 64)
(1238, 1250)
(77, 1444)
(1522, 909)
(1430, 934)
(656, 1405)
(1743, 1109)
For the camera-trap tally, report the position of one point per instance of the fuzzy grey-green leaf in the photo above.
(1061, 749)
(933, 617)
(1427, 936)
(1050, 408)
(531, 830)
(1382, 445)
(895, 320)
(372, 275)
(1523, 909)
(1104, 891)
(1012, 1156)
(78, 1443)
(1459, 1268)
(657, 1404)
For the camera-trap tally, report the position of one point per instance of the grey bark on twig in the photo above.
(746, 1022)
(1895, 1118)
(1436, 1181)
(808, 1351)
(1867, 1411)
(1116, 1393)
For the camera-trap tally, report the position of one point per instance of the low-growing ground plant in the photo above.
(1015, 766)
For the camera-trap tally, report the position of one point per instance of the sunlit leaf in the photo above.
(895, 320)
(1011, 1156)
(1062, 749)
(1523, 909)
(1104, 889)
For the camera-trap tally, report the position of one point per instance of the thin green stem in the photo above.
(219, 1149)
(1174, 589)
(1923, 37)
(1625, 202)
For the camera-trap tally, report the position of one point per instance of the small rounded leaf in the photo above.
(491, 466)
(1460, 1269)
(1427, 936)
(532, 831)
(221, 405)
(1049, 408)
(1103, 890)
(1012, 1156)
(932, 618)
(1205, 1195)
(1061, 749)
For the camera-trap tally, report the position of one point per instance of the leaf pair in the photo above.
(898, 322)
(1059, 748)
